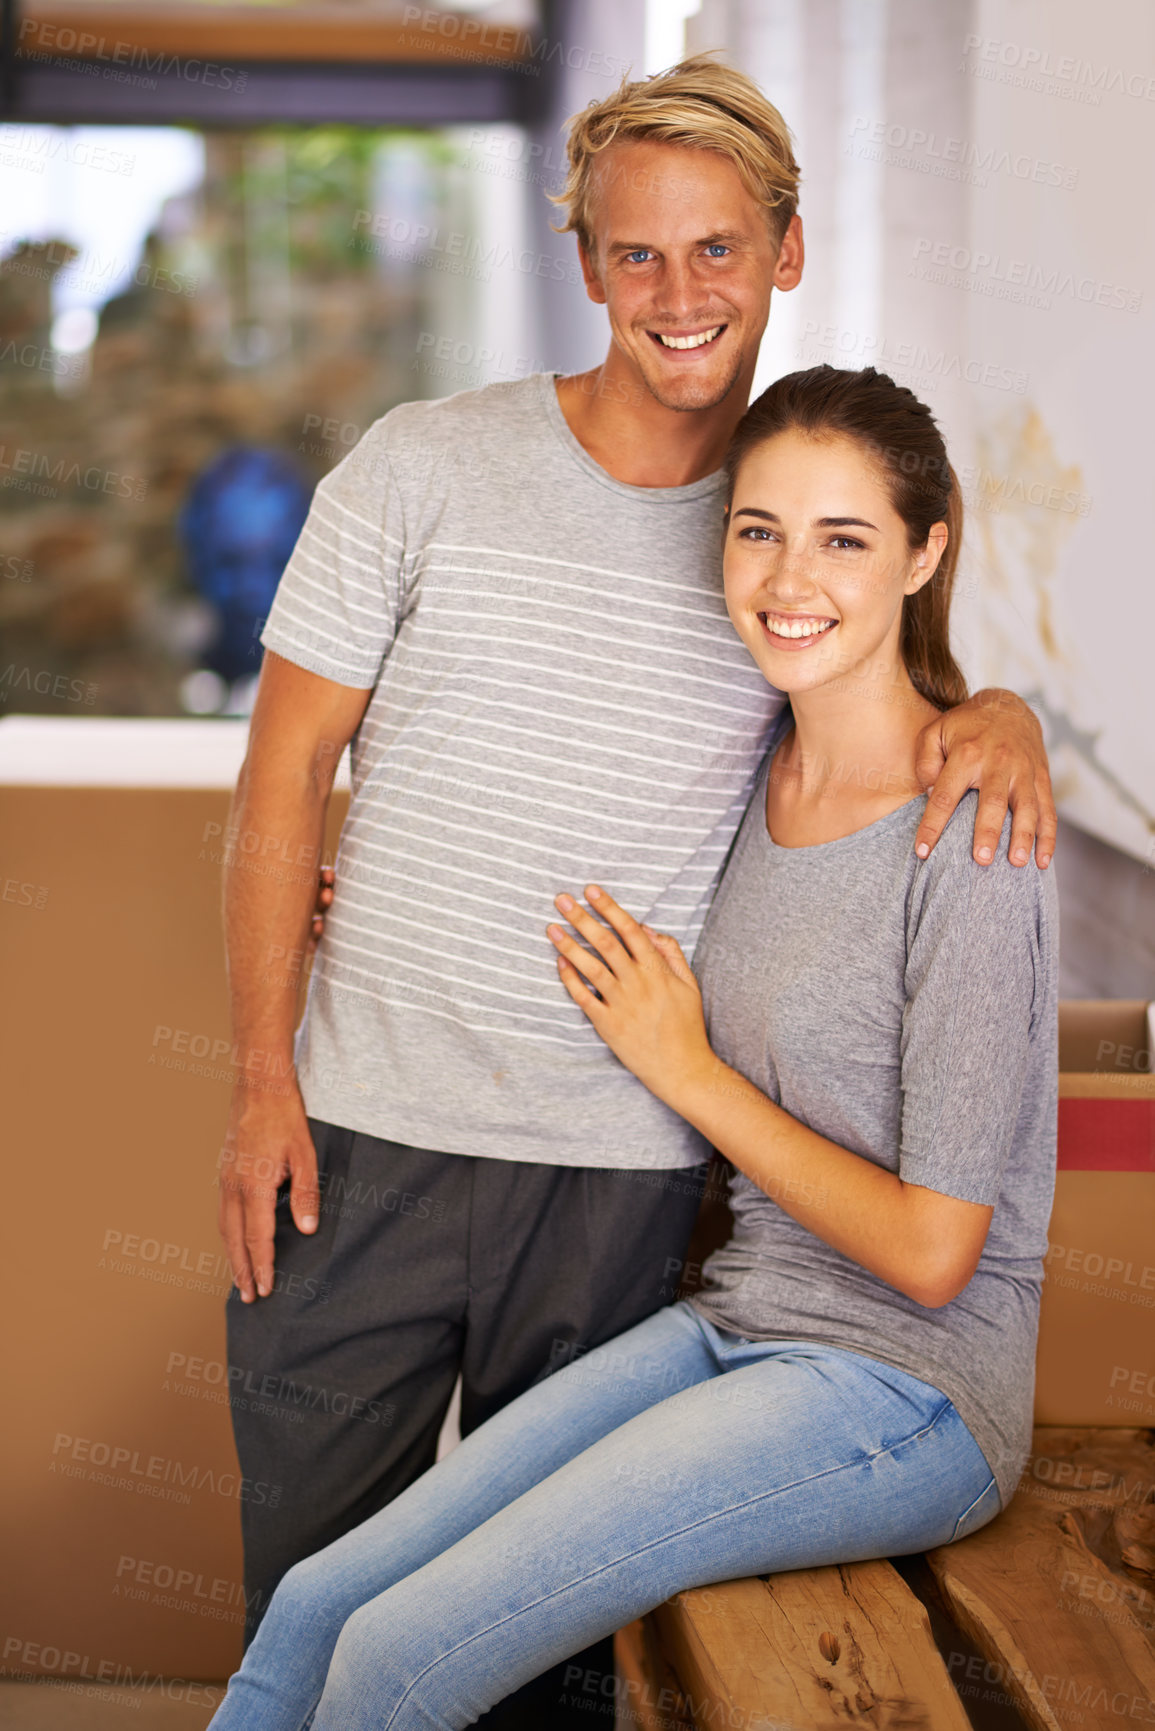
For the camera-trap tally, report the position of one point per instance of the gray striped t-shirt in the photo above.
(558, 697)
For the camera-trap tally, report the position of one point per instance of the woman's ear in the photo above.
(928, 558)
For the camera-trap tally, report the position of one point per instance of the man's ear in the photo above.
(590, 275)
(791, 257)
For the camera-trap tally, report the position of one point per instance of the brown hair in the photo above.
(700, 104)
(900, 434)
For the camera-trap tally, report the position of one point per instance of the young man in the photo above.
(468, 1180)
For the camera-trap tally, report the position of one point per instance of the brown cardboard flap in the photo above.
(1097, 1034)
(1103, 1085)
(1096, 1357)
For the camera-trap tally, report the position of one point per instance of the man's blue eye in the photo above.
(717, 250)
(641, 253)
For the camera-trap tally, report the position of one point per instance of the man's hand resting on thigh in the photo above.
(267, 1141)
(992, 742)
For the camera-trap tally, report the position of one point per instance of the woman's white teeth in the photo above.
(798, 627)
(689, 342)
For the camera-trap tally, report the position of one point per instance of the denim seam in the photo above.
(914, 1436)
(762, 1496)
(969, 1510)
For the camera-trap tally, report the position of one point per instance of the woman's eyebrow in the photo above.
(819, 522)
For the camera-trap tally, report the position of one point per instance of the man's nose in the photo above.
(682, 293)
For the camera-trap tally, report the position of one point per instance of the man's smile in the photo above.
(683, 342)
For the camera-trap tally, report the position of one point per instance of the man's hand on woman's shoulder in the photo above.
(994, 743)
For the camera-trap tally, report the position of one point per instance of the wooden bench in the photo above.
(1043, 1618)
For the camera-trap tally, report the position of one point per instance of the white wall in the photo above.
(939, 185)
(1069, 598)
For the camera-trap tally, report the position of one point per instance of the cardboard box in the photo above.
(122, 1513)
(1096, 1359)
(114, 988)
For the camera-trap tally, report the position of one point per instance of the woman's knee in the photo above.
(312, 1592)
(363, 1685)
(357, 1645)
(390, 1666)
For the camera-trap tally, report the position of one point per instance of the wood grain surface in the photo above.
(810, 1650)
(1058, 1592)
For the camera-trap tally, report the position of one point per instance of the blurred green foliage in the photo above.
(322, 176)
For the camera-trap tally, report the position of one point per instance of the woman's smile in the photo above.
(795, 631)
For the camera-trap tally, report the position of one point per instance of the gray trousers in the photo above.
(425, 1265)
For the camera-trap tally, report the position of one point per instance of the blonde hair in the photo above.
(700, 104)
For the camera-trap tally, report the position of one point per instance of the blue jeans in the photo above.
(676, 1455)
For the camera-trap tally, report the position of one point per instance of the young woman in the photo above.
(870, 1040)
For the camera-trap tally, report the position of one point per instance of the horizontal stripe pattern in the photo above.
(558, 697)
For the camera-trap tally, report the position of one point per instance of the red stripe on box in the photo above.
(1107, 1135)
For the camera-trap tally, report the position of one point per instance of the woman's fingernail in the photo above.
(922, 850)
(1020, 856)
(594, 893)
(984, 853)
(564, 902)
(1044, 861)
(309, 1223)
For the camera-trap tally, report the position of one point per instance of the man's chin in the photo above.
(691, 394)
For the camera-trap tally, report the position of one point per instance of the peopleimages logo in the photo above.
(128, 1469)
(44, 360)
(17, 461)
(1038, 68)
(472, 39)
(45, 683)
(1004, 278)
(41, 145)
(454, 249)
(60, 262)
(117, 60)
(269, 1386)
(143, 1578)
(951, 158)
(76, 1667)
(916, 360)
